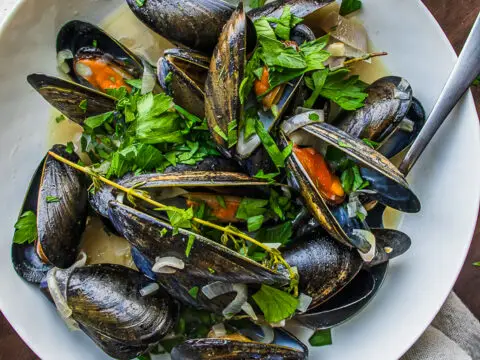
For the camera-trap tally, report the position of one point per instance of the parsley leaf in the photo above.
(347, 92)
(51, 199)
(96, 121)
(269, 144)
(349, 6)
(257, 3)
(140, 3)
(286, 22)
(275, 304)
(193, 292)
(263, 28)
(270, 176)
(281, 233)
(254, 223)
(277, 54)
(191, 240)
(59, 119)
(476, 263)
(70, 148)
(83, 105)
(26, 228)
(251, 207)
(321, 338)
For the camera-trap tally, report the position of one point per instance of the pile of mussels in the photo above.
(340, 260)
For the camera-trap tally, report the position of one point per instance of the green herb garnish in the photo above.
(254, 223)
(254, 4)
(26, 228)
(321, 338)
(191, 240)
(193, 292)
(51, 199)
(140, 3)
(59, 119)
(83, 105)
(70, 148)
(349, 6)
(94, 43)
(276, 305)
(476, 263)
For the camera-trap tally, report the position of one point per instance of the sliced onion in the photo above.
(59, 300)
(219, 330)
(83, 70)
(120, 197)
(336, 49)
(61, 57)
(273, 245)
(167, 265)
(366, 235)
(149, 78)
(248, 309)
(278, 324)
(268, 334)
(406, 125)
(149, 289)
(304, 302)
(335, 63)
(218, 288)
(297, 122)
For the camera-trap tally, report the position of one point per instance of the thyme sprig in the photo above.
(230, 231)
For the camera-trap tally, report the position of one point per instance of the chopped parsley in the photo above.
(52, 199)
(349, 6)
(140, 3)
(95, 43)
(321, 338)
(83, 105)
(476, 263)
(254, 4)
(191, 240)
(193, 292)
(70, 148)
(276, 305)
(26, 228)
(348, 92)
(59, 119)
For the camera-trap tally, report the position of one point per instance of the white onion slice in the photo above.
(304, 302)
(61, 57)
(406, 125)
(59, 300)
(83, 70)
(218, 288)
(268, 334)
(335, 63)
(219, 330)
(336, 49)
(248, 309)
(167, 265)
(149, 78)
(367, 235)
(273, 245)
(149, 289)
(297, 122)
(278, 324)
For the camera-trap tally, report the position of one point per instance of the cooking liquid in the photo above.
(100, 246)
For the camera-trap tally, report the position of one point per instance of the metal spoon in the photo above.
(464, 73)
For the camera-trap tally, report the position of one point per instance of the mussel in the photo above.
(106, 302)
(75, 101)
(182, 74)
(58, 198)
(223, 348)
(223, 107)
(198, 24)
(386, 183)
(93, 58)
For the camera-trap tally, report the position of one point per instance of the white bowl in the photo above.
(446, 179)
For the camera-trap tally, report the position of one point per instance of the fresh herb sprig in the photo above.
(182, 218)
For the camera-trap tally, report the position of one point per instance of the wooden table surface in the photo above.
(456, 19)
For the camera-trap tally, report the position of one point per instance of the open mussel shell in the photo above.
(78, 40)
(349, 302)
(154, 183)
(25, 260)
(60, 223)
(211, 348)
(325, 266)
(105, 300)
(222, 101)
(406, 132)
(182, 74)
(388, 102)
(196, 24)
(245, 147)
(207, 261)
(67, 97)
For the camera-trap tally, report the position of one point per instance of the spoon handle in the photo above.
(464, 73)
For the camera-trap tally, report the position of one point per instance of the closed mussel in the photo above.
(94, 59)
(106, 302)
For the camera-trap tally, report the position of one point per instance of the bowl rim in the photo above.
(15, 8)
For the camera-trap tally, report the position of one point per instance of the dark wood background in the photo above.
(456, 19)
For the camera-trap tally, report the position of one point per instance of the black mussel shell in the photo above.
(106, 299)
(324, 265)
(206, 262)
(222, 101)
(61, 223)
(348, 302)
(67, 97)
(182, 74)
(208, 164)
(388, 102)
(25, 260)
(87, 41)
(402, 137)
(196, 24)
(204, 349)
